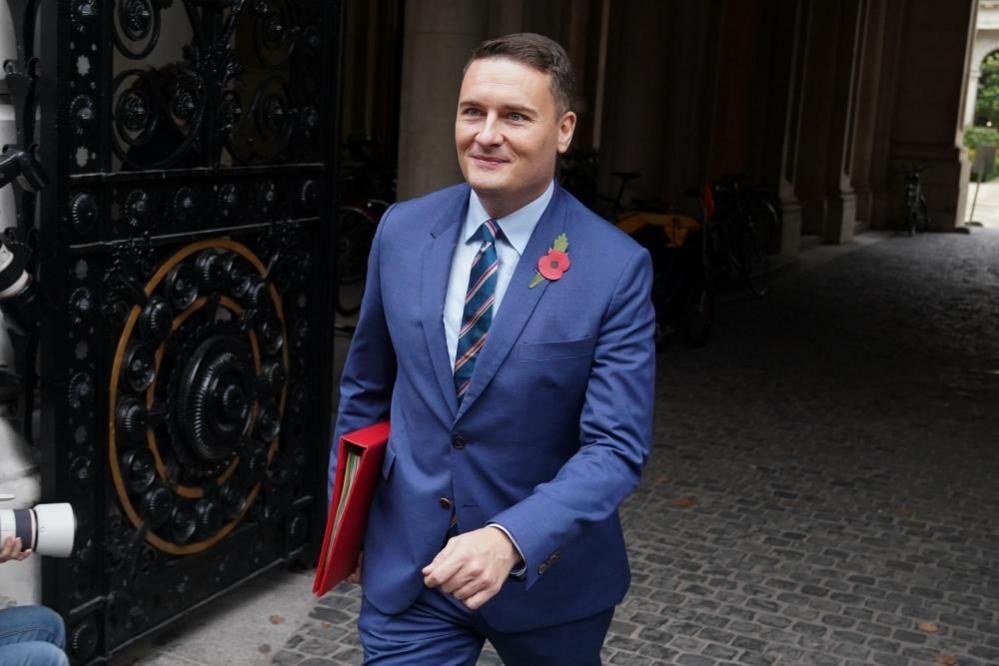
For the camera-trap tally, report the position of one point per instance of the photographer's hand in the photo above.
(12, 550)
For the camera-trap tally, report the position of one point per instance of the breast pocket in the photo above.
(555, 349)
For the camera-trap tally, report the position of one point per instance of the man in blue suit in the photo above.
(507, 332)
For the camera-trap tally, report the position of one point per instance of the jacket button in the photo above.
(458, 442)
(543, 567)
(445, 503)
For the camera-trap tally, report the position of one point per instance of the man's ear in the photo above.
(566, 128)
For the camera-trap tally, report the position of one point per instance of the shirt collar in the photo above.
(517, 227)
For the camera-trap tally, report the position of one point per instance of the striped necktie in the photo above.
(479, 299)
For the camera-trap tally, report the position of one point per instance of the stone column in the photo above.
(830, 64)
(933, 57)
(794, 18)
(842, 211)
(637, 109)
(986, 41)
(868, 91)
(972, 94)
(438, 37)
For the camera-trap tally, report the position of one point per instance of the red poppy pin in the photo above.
(554, 264)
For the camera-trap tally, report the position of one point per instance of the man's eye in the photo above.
(472, 112)
(517, 117)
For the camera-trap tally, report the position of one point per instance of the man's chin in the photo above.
(485, 185)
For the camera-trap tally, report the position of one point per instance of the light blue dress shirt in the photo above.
(517, 228)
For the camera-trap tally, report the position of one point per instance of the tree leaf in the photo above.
(928, 627)
(947, 659)
(277, 619)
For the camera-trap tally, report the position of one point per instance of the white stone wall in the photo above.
(986, 41)
(19, 472)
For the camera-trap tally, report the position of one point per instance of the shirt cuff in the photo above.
(522, 569)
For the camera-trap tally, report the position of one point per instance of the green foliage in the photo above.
(981, 136)
(987, 103)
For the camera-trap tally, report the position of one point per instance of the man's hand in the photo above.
(356, 576)
(473, 566)
(12, 550)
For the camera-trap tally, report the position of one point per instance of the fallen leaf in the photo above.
(663, 479)
(684, 502)
(327, 625)
(264, 649)
(928, 627)
(947, 659)
(277, 619)
(904, 511)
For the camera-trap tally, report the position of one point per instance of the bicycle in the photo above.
(683, 292)
(367, 183)
(744, 227)
(356, 225)
(917, 216)
(682, 289)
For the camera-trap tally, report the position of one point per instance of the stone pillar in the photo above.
(972, 94)
(637, 110)
(932, 61)
(868, 91)
(830, 63)
(794, 19)
(738, 86)
(660, 94)
(842, 211)
(439, 35)
(986, 42)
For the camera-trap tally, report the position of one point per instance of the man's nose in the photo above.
(490, 135)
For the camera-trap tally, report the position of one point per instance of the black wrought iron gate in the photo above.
(182, 246)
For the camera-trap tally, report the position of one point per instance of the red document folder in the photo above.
(358, 463)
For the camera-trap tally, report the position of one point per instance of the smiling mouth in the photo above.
(488, 161)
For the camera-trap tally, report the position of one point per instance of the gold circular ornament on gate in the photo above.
(196, 396)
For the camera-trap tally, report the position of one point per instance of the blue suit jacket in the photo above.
(557, 422)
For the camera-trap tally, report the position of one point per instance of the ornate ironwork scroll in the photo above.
(185, 388)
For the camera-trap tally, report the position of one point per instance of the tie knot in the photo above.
(487, 232)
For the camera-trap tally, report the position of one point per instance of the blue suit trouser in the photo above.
(437, 630)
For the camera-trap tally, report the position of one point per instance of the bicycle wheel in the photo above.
(924, 215)
(694, 310)
(747, 258)
(355, 232)
(766, 223)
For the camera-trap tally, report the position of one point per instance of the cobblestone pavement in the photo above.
(823, 488)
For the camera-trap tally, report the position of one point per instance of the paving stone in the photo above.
(658, 652)
(837, 433)
(286, 658)
(629, 659)
(695, 660)
(720, 651)
(885, 659)
(908, 636)
(623, 628)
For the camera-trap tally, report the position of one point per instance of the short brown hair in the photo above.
(538, 52)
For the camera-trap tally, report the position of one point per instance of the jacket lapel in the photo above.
(518, 302)
(437, 255)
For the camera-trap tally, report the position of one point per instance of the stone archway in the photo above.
(986, 42)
